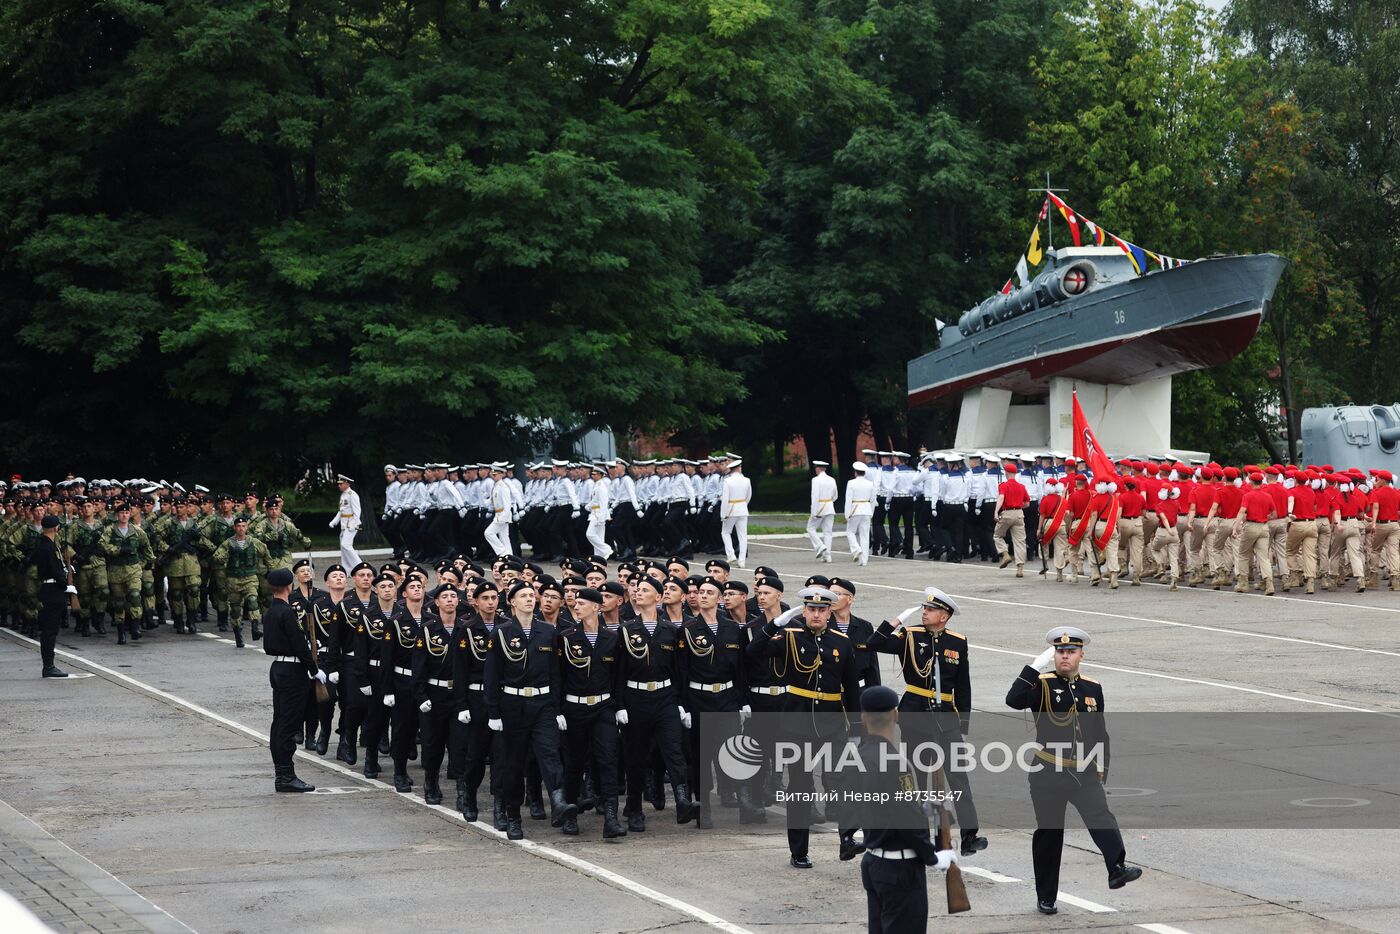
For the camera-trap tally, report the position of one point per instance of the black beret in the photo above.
(614, 588)
(551, 585)
(573, 580)
(843, 584)
(513, 564)
(50, 522)
(717, 563)
(818, 580)
(591, 595)
(486, 587)
(710, 581)
(301, 563)
(279, 577)
(878, 699)
(770, 581)
(678, 581)
(518, 586)
(362, 566)
(764, 570)
(381, 577)
(646, 580)
(736, 585)
(681, 561)
(331, 570)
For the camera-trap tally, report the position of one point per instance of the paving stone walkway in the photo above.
(67, 892)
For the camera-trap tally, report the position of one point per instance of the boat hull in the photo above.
(1188, 318)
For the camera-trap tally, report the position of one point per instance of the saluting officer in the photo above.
(1069, 716)
(937, 698)
(819, 672)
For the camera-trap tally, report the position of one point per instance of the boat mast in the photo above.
(1049, 214)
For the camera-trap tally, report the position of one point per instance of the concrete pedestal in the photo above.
(1134, 419)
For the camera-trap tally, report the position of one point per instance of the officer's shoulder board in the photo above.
(1046, 675)
(836, 632)
(1088, 680)
(955, 635)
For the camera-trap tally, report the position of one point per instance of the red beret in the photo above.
(1256, 477)
(1009, 468)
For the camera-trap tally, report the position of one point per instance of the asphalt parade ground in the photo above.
(140, 797)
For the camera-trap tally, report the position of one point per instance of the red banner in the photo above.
(1088, 450)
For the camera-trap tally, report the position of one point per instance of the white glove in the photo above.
(1045, 661)
(366, 690)
(946, 858)
(563, 724)
(496, 725)
(574, 514)
(334, 522)
(685, 717)
(426, 706)
(70, 589)
(320, 676)
(464, 716)
(787, 617)
(621, 718)
(745, 712)
(904, 617)
(388, 700)
(334, 677)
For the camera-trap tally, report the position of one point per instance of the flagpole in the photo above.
(1049, 214)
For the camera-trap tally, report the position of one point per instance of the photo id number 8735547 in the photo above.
(1119, 316)
(926, 796)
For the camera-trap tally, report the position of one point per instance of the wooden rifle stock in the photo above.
(957, 891)
(323, 693)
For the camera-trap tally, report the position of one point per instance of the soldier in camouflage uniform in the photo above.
(250, 507)
(281, 537)
(144, 516)
(244, 561)
(183, 544)
(10, 524)
(128, 552)
(160, 515)
(26, 539)
(89, 569)
(218, 528)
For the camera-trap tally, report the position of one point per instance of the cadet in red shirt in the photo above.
(1130, 540)
(1200, 521)
(1049, 504)
(1385, 522)
(1228, 494)
(1348, 538)
(1099, 511)
(1252, 526)
(1278, 526)
(1011, 519)
(1301, 516)
(1079, 496)
(1165, 544)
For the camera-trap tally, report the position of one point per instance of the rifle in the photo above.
(1041, 546)
(323, 693)
(957, 890)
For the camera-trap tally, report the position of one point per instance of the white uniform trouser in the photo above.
(498, 537)
(348, 556)
(738, 524)
(597, 535)
(822, 525)
(858, 535)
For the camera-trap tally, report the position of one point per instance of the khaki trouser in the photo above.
(1130, 543)
(1196, 545)
(1165, 549)
(1346, 546)
(1386, 545)
(1011, 521)
(1324, 547)
(1110, 551)
(1278, 545)
(1061, 546)
(1302, 548)
(1220, 558)
(1149, 535)
(1254, 543)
